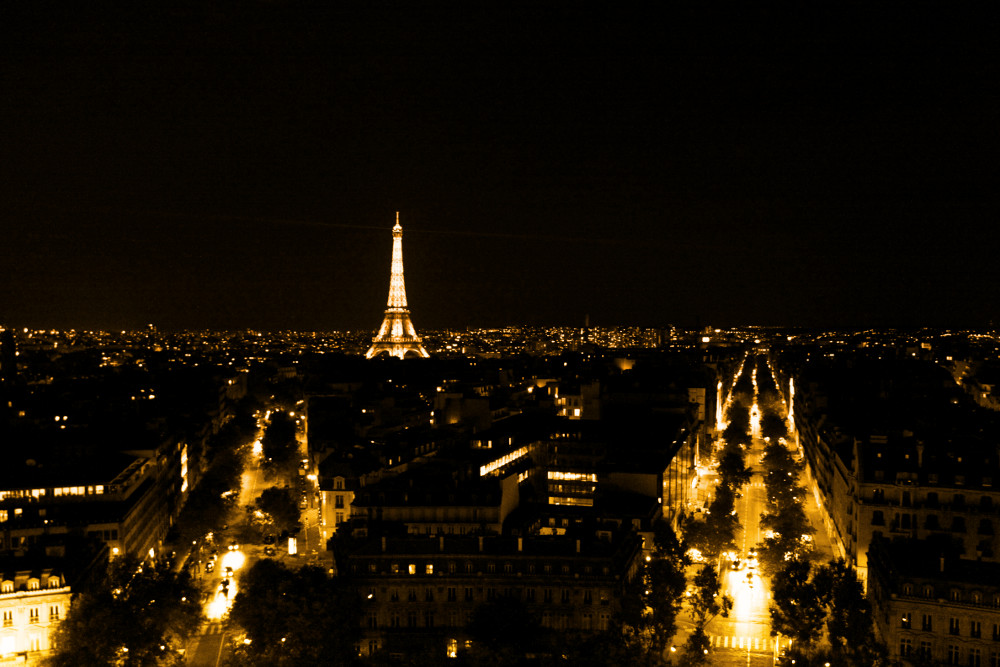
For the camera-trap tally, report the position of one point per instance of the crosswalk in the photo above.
(745, 643)
(213, 628)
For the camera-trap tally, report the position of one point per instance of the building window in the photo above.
(33, 615)
(564, 596)
(491, 594)
(927, 623)
(429, 568)
(451, 567)
(507, 568)
(905, 647)
(996, 632)
(8, 618)
(878, 519)
(468, 595)
(338, 501)
(925, 650)
(975, 629)
(54, 613)
(547, 596)
(491, 568)
(394, 621)
(412, 595)
(411, 619)
(428, 595)
(529, 595)
(394, 595)
(975, 657)
(907, 617)
(372, 620)
(956, 595)
(953, 627)
(429, 619)
(907, 589)
(588, 597)
(452, 595)
(412, 568)
(953, 654)
(994, 658)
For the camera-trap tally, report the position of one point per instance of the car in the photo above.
(234, 546)
(210, 566)
(270, 551)
(229, 571)
(269, 539)
(212, 557)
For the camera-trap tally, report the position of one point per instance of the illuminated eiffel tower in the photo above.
(397, 337)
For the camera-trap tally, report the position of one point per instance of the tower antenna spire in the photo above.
(397, 336)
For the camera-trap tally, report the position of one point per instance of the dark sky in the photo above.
(239, 165)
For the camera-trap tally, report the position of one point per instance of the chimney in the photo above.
(441, 543)
(578, 546)
(383, 544)
(520, 544)
(480, 544)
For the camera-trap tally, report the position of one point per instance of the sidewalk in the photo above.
(825, 549)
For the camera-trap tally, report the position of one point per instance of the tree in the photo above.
(279, 504)
(279, 444)
(301, 617)
(733, 470)
(797, 609)
(706, 602)
(696, 647)
(204, 509)
(641, 632)
(717, 533)
(850, 625)
(772, 426)
(135, 616)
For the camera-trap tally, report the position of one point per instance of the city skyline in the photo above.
(200, 169)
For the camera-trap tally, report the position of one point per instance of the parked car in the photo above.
(269, 551)
(269, 539)
(210, 566)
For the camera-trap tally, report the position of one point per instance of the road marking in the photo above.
(735, 642)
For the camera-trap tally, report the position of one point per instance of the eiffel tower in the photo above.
(397, 337)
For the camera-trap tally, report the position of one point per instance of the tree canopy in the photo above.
(279, 444)
(279, 504)
(135, 617)
(295, 617)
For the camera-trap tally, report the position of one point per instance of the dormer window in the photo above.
(33, 584)
(7, 587)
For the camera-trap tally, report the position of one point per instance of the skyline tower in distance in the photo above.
(397, 337)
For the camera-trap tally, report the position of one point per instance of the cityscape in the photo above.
(694, 357)
(513, 496)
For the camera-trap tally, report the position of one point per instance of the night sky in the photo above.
(239, 165)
